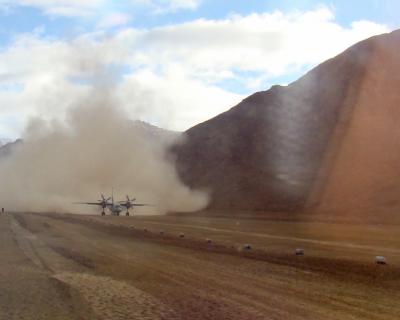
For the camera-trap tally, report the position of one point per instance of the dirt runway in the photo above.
(82, 267)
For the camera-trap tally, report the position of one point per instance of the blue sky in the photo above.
(178, 62)
(24, 18)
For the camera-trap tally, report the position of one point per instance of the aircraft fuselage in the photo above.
(115, 209)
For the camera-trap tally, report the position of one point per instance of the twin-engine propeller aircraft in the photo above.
(115, 208)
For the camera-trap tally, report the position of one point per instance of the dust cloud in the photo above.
(96, 148)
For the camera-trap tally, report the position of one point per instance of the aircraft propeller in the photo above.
(130, 203)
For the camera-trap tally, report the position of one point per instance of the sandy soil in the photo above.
(90, 267)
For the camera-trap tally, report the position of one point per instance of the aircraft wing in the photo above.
(90, 203)
(124, 204)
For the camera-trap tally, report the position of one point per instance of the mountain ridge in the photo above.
(277, 148)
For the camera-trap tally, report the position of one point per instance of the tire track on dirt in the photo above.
(107, 298)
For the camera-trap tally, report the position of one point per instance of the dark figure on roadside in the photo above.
(2, 210)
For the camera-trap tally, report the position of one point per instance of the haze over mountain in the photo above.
(329, 141)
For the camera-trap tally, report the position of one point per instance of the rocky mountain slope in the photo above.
(329, 141)
(7, 148)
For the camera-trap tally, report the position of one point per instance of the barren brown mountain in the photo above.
(328, 141)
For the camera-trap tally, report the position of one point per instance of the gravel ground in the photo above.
(80, 267)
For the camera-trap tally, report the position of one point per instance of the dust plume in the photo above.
(96, 148)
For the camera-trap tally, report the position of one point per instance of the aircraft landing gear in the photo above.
(127, 213)
(103, 213)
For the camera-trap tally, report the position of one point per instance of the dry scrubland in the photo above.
(91, 267)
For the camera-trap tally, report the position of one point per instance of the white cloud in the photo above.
(174, 75)
(173, 99)
(114, 19)
(271, 42)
